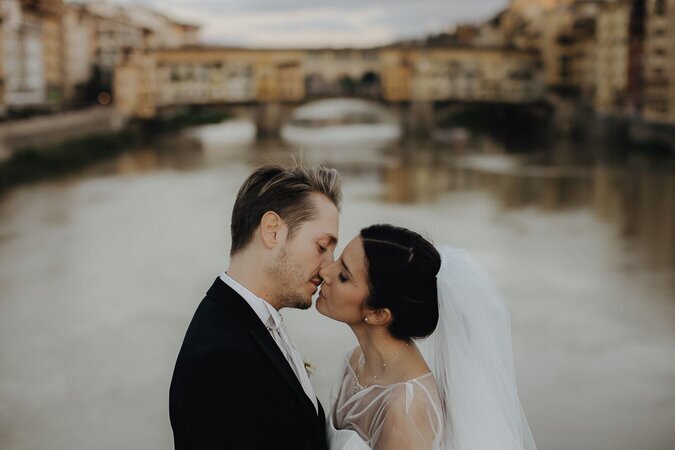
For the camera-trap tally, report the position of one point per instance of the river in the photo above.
(100, 274)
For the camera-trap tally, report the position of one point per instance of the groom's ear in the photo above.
(271, 229)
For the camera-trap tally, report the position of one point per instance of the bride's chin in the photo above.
(321, 307)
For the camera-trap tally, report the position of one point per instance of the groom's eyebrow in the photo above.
(331, 238)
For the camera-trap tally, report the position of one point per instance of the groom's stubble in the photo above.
(286, 271)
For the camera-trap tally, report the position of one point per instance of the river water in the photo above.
(100, 274)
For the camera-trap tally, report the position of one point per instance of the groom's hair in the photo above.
(286, 191)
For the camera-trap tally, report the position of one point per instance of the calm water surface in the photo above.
(100, 275)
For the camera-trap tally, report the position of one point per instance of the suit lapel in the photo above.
(221, 292)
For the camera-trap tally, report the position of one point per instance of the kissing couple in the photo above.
(433, 368)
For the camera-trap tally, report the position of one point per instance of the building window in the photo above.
(565, 67)
(369, 55)
(660, 8)
(343, 54)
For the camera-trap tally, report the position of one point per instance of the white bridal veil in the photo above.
(471, 358)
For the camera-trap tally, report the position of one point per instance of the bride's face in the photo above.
(345, 285)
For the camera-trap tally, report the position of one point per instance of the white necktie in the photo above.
(280, 335)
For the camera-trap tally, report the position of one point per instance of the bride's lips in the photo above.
(316, 281)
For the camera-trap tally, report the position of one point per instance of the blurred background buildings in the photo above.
(612, 56)
(56, 55)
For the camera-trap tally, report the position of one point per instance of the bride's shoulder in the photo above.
(420, 392)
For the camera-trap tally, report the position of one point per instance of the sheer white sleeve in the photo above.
(410, 420)
(398, 416)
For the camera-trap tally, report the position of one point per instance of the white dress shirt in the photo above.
(274, 323)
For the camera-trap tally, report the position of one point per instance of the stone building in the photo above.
(659, 62)
(611, 74)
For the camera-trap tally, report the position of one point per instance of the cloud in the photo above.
(306, 23)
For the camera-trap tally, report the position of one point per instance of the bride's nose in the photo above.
(324, 274)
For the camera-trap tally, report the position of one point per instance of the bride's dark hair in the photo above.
(402, 268)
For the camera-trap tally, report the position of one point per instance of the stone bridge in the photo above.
(269, 84)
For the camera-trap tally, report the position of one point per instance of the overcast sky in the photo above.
(315, 23)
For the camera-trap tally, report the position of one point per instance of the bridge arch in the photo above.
(349, 118)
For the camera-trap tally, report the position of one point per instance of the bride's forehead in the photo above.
(354, 252)
(355, 245)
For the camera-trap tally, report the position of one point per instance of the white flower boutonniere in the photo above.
(309, 367)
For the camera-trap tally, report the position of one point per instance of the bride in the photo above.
(433, 368)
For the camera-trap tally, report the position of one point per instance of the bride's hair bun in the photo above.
(402, 268)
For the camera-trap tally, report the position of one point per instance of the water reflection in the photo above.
(583, 250)
(412, 184)
(638, 199)
(640, 203)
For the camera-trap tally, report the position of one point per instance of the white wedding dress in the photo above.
(469, 400)
(408, 414)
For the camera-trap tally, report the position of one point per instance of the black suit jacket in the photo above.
(232, 388)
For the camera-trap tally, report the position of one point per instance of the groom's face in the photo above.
(297, 265)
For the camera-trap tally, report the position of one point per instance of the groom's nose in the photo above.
(327, 260)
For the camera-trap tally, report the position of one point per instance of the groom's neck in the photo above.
(250, 273)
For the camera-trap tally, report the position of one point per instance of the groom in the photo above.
(239, 383)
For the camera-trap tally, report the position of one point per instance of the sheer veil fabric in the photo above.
(471, 358)
(469, 401)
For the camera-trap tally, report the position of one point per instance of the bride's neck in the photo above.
(378, 347)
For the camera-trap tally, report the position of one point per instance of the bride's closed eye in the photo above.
(342, 276)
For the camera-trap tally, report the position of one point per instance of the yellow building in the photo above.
(3, 14)
(659, 62)
(558, 48)
(584, 59)
(278, 75)
(206, 75)
(291, 81)
(611, 67)
(477, 74)
(53, 50)
(79, 48)
(337, 71)
(396, 74)
(135, 86)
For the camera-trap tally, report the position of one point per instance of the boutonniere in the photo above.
(309, 367)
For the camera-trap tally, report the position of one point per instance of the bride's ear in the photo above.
(381, 316)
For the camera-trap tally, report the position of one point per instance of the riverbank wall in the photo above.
(56, 145)
(43, 131)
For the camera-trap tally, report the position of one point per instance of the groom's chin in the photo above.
(304, 305)
(300, 303)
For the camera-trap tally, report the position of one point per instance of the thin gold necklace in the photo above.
(384, 366)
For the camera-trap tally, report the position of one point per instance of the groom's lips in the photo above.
(316, 281)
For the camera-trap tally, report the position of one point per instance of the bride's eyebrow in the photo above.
(346, 268)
